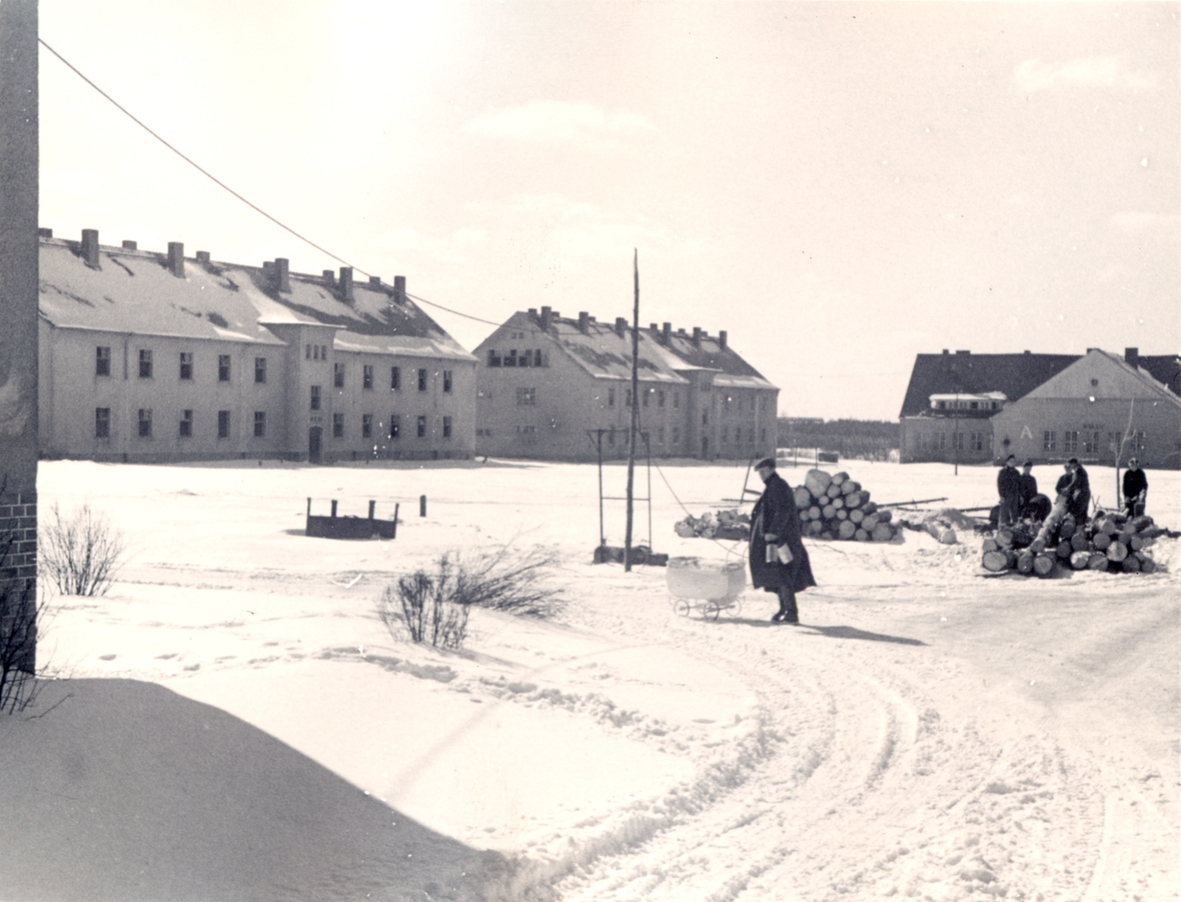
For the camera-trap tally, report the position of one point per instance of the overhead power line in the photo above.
(415, 297)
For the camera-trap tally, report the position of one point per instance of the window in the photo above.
(338, 375)
(976, 441)
(660, 398)
(1049, 440)
(737, 433)
(223, 424)
(537, 357)
(1138, 442)
(308, 353)
(763, 434)
(260, 424)
(395, 425)
(366, 425)
(395, 378)
(647, 395)
(493, 358)
(260, 370)
(102, 422)
(145, 422)
(145, 363)
(422, 427)
(526, 358)
(422, 378)
(186, 364)
(184, 428)
(676, 435)
(660, 435)
(676, 399)
(705, 418)
(957, 441)
(323, 352)
(526, 397)
(223, 367)
(446, 427)
(511, 358)
(446, 380)
(338, 425)
(611, 436)
(610, 397)
(627, 398)
(102, 361)
(725, 433)
(315, 397)
(1070, 442)
(1091, 442)
(367, 377)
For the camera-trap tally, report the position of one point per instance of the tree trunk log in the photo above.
(1080, 559)
(1044, 564)
(1117, 552)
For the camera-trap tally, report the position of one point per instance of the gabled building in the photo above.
(965, 407)
(148, 356)
(555, 388)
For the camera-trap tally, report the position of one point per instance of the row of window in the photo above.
(102, 424)
(102, 365)
(1089, 441)
(960, 441)
(528, 357)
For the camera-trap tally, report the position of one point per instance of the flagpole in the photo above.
(635, 421)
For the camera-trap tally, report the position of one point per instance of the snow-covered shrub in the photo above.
(80, 554)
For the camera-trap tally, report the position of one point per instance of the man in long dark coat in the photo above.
(1135, 489)
(1008, 486)
(1080, 492)
(775, 524)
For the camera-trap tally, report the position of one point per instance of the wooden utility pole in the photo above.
(635, 423)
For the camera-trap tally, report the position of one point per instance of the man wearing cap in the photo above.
(1135, 489)
(778, 560)
(1080, 492)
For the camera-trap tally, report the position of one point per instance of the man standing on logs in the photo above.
(1008, 486)
(778, 560)
(1135, 489)
(1027, 490)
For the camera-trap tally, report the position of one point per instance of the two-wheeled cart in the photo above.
(707, 587)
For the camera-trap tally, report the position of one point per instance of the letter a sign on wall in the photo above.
(1025, 433)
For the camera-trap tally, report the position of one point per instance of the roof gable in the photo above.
(1103, 376)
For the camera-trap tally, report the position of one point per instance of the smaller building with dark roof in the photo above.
(558, 388)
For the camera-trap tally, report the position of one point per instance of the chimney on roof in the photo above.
(330, 278)
(946, 352)
(680, 331)
(1132, 357)
(400, 289)
(203, 257)
(543, 322)
(666, 332)
(90, 247)
(346, 284)
(722, 339)
(44, 233)
(697, 336)
(583, 322)
(176, 258)
(129, 245)
(653, 327)
(962, 353)
(282, 274)
(620, 326)
(375, 280)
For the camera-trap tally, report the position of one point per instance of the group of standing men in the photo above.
(1020, 498)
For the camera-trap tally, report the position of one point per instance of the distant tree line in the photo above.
(860, 439)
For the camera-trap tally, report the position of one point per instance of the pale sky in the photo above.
(839, 185)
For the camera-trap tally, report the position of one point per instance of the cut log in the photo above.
(803, 497)
(990, 544)
(817, 482)
(884, 516)
(1025, 562)
(838, 503)
(1064, 550)
(1044, 564)
(997, 561)
(1101, 541)
(1079, 541)
(1125, 537)
(1131, 564)
(815, 528)
(1098, 561)
(883, 532)
(1004, 537)
(840, 478)
(1079, 560)
(1147, 565)
(1109, 526)
(870, 507)
(1138, 543)
(871, 520)
(1139, 524)
(814, 512)
(833, 491)
(1117, 552)
(851, 485)
(828, 512)
(842, 514)
(857, 515)
(855, 499)
(846, 529)
(943, 534)
(861, 535)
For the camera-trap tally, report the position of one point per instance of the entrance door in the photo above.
(314, 444)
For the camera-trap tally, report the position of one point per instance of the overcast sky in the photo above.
(839, 185)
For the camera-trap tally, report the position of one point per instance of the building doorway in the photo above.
(314, 436)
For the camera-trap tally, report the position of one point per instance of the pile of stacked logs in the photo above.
(725, 524)
(837, 507)
(1109, 542)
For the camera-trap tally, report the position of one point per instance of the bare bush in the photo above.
(81, 554)
(434, 607)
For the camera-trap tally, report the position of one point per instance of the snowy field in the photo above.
(234, 721)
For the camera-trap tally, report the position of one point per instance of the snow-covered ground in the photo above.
(238, 723)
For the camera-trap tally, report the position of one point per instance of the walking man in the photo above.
(778, 560)
(1008, 486)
